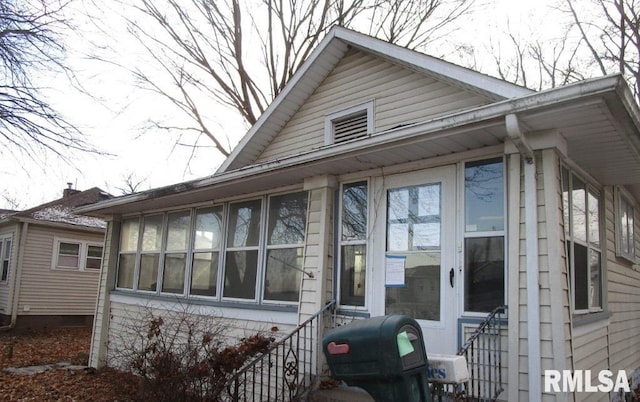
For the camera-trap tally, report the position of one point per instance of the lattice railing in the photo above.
(287, 370)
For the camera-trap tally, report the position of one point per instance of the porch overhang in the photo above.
(598, 119)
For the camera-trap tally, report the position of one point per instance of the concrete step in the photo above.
(342, 393)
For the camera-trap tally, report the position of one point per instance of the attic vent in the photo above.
(350, 124)
(350, 127)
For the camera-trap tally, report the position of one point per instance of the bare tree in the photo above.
(131, 184)
(610, 31)
(242, 54)
(31, 46)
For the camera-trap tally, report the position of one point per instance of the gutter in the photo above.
(516, 134)
(17, 276)
(438, 127)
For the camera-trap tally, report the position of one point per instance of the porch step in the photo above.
(342, 393)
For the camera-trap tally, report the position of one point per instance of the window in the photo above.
(5, 257)
(175, 257)
(582, 220)
(68, 255)
(206, 251)
(353, 243)
(183, 250)
(94, 257)
(484, 252)
(129, 234)
(243, 240)
(625, 222)
(349, 124)
(75, 254)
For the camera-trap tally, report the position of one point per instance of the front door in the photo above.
(414, 248)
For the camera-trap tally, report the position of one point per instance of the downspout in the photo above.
(515, 133)
(17, 276)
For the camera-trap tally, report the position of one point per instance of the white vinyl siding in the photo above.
(401, 97)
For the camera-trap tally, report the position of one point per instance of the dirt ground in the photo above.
(55, 346)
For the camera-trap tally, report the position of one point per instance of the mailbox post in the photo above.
(385, 356)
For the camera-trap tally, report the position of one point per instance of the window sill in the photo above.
(589, 322)
(347, 312)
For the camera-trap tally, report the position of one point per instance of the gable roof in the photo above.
(60, 211)
(322, 61)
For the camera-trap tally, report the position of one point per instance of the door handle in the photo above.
(451, 275)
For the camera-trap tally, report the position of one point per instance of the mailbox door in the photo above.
(416, 253)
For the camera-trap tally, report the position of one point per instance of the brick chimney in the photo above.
(69, 191)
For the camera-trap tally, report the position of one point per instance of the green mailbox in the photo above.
(385, 356)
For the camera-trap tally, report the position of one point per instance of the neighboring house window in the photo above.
(484, 252)
(5, 255)
(68, 255)
(75, 254)
(186, 246)
(582, 222)
(353, 243)
(349, 124)
(625, 221)
(94, 257)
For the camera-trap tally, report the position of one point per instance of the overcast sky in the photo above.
(113, 126)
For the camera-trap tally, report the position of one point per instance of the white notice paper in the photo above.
(394, 271)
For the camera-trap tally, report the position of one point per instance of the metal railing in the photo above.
(483, 353)
(285, 371)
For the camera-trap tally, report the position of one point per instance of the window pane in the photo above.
(93, 263)
(240, 274)
(624, 229)
(413, 218)
(152, 233)
(420, 298)
(244, 224)
(579, 210)
(178, 230)
(129, 235)
(173, 277)
(68, 261)
(594, 220)
(580, 277)
(148, 272)
(484, 273)
(354, 211)
(94, 251)
(70, 249)
(353, 273)
(565, 199)
(126, 265)
(287, 218)
(594, 291)
(283, 274)
(204, 275)
(208, 229)
(484, 195)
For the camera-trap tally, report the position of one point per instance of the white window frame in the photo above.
(83, 249)
(624, 201)
(5, 255)
(363, 242)
(329, 119)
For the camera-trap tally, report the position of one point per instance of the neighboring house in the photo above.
(394, 182)
(50, 263)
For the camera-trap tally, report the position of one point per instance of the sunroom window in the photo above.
(5, 254)
(582, 222)
(625, 226)
(233, 252)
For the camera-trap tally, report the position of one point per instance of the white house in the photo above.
(394, 182)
